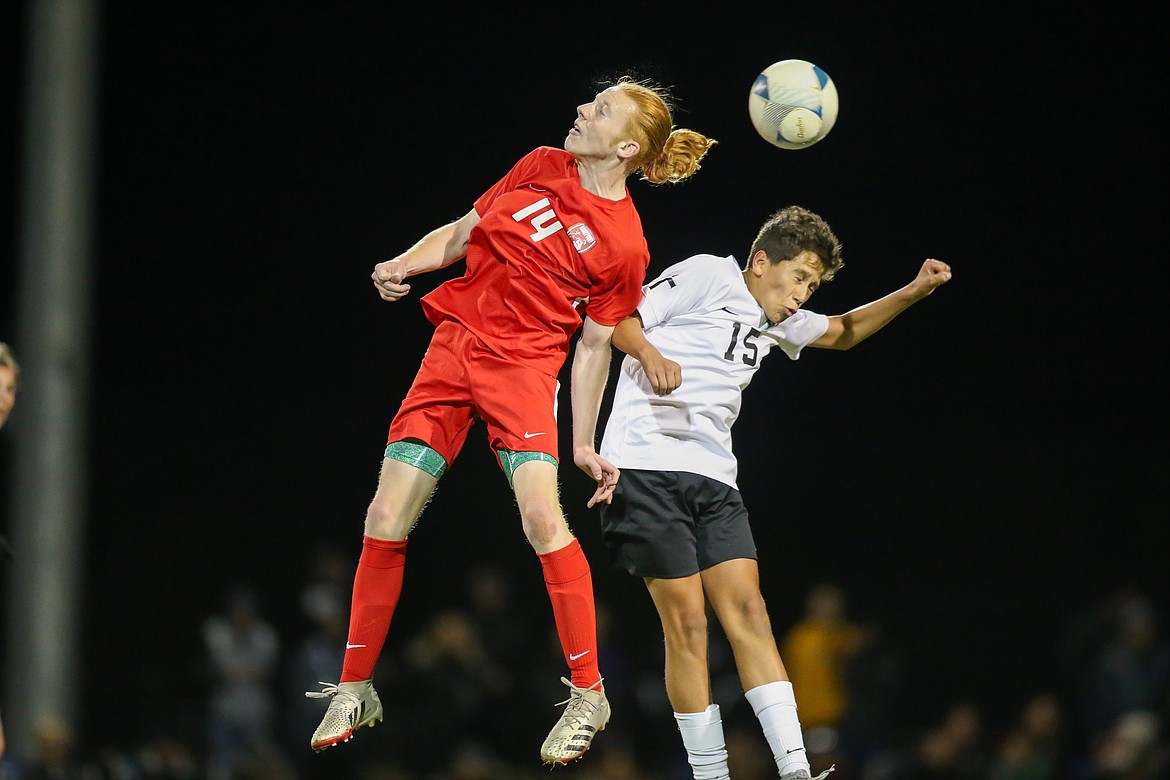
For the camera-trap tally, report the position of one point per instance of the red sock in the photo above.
(376, 587)
(570, 589)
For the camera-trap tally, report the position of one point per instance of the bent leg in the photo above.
(567, 575)
(537, 495)
(734, 590)
(403, 491)
(569, 583)
(682, 609)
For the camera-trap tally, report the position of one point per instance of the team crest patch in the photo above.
(582, 236)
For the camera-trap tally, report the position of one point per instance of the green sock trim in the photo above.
(510, 460)
(418, 455)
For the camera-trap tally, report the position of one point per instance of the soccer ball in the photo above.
(793, 104)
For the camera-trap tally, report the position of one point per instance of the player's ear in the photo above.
(628, 149)
(759, 262)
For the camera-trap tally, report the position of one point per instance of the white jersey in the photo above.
(700, 314)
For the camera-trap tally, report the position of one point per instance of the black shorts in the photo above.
(673, 524)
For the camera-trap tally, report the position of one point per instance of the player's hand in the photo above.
(664, 375)
(388, 278)
(932, 274)
(602, 472)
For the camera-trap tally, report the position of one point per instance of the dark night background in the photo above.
(974, 475)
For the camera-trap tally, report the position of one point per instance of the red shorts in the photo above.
(460, 381)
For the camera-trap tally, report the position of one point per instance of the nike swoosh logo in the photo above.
(574, 657)
(348, 646)
(793, 750)
(528, 435)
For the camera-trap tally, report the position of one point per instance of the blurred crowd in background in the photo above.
(471, 692)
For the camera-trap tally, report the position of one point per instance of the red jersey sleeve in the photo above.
(617, 285)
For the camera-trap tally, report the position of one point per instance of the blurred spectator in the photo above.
(748, 756)
(9, 378)
(953, 750)
(1034, 749)
(452, 686)
(1017, 759)
(57, 756)
(506, 629)
(166, 759)
(1134, 749)
(1130, 672)
(870, 728)
(9, 375)
(616, 760)
(816, 653)
(243, 655)
(472, 762)
(1087, 631)
(505, 633)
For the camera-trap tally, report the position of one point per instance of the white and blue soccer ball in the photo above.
(793, 104)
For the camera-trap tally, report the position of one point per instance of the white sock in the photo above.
(775, 705)
(702, 736)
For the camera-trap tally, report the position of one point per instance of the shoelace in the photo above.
(351, 701)
(802, 773)
(579, 707)
(328, 689)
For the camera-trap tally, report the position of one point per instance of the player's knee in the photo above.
(543, 525)
(749, 615)
(695, 633)
(385, 521)
(543, 536)
(687, 630)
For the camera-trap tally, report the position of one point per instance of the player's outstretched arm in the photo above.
(437, 249)
(850, 329)
(591, 360)
(664, 375)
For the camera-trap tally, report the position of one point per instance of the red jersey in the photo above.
(544, 246)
